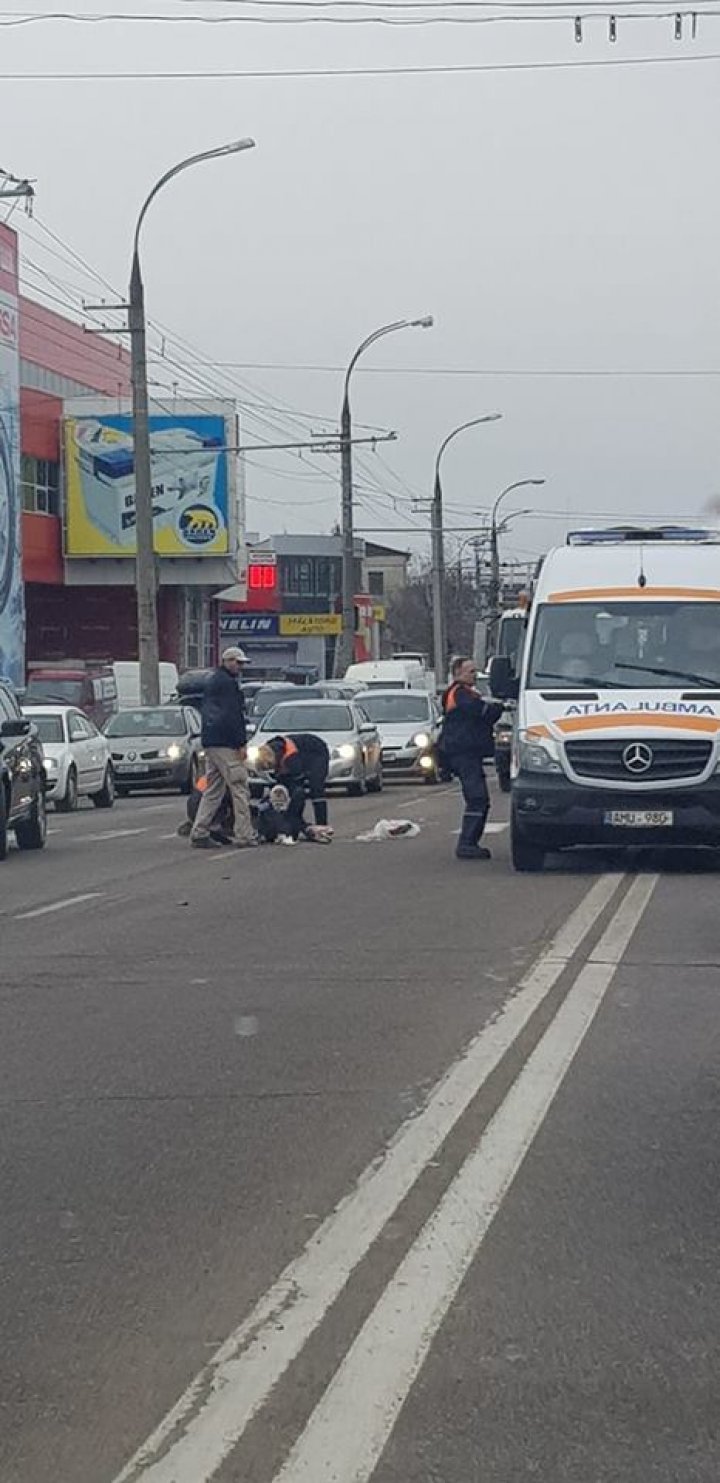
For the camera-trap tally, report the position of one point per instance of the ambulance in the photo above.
(617, 740)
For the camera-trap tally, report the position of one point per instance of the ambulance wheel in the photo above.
(526, 856)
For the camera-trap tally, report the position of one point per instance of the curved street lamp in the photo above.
(148, 647)
(344, 649)
(494, 593)
(438, 548)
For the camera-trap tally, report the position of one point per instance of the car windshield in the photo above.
(400, 707)
(266, 699)
(157, 722)
(50, 728)
(658, 645)
(307, 717)
(50, 688)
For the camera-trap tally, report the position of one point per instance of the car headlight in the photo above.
(252, 754)
(51, 764)
(346, 752)
(421, 740)
(174, 752)
(426, 762)
(535, 756)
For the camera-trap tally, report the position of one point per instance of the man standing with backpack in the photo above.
(224, 739)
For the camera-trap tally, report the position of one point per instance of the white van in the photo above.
(390, 674)
(127, 679)
(618, 724)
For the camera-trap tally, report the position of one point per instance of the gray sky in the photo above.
(550, 220)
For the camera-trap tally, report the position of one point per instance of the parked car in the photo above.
(409, 723)
(22, 777)
(155, 747)
(78, 761)
(353, 739)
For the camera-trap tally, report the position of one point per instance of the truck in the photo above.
(617, 739)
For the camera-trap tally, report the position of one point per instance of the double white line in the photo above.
(348, 1430)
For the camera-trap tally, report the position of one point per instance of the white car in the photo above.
(350, 736)
(78, 762)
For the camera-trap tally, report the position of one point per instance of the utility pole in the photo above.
(146, 576)
(345, 648)
(494, 592)
(145, 566)
(438, 549)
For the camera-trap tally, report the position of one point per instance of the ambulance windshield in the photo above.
(628, 645)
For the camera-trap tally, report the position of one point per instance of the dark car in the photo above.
(503, 749)
(22, 777)
(155, 747)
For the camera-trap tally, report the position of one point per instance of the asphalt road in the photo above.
(322, 1165)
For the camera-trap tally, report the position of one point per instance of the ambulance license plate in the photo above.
(640, 818)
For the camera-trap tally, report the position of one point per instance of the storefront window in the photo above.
(40, 484)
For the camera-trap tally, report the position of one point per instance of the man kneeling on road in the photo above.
(302, 763)
(224, 738)
(467, 737)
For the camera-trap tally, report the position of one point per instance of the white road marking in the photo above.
(350, 1426)
(43, 911)
(191, 1442)
(111, 834)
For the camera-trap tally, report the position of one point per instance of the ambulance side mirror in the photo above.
(504, 682)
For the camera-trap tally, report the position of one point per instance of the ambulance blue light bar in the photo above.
(618, 534)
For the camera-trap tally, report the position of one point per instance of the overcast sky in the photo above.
(550, 220)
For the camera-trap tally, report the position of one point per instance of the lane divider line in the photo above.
(43, 911)
(350, 1427)
(208, 1420)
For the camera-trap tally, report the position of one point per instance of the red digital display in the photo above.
(262, 577)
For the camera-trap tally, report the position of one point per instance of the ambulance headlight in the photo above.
(535, 756)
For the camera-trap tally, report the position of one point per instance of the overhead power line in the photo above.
(441, 17)
(297, 73)
(540, 371)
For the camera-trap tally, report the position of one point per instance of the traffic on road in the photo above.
(419, 1131)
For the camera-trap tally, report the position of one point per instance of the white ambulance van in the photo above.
(618, 724)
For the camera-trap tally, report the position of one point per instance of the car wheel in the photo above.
(359, 787)
(69, 801)
(191, 778)
(527, 856)
(32, 834)
(106, 797)
(375, 785)
(3, 823)
(121, 792)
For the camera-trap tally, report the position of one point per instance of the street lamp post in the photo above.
(494, 593)
(345, 647)
(148, 646)
(438, 549)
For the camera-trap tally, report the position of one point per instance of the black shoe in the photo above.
(472, 852)
(220, 837)
(184, 829)
(205, 843)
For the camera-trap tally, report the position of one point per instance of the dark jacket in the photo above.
(223, 712)
(302, 754)
(468, 722)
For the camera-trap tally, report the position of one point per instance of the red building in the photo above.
(59, 361)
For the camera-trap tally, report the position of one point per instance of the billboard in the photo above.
(192, 484)
(12, 609)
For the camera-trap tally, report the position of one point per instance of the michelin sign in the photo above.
(192, 484)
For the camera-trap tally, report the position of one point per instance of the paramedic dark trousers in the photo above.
(468, 768)
(312, 787)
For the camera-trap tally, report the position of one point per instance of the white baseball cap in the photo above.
(235, 653)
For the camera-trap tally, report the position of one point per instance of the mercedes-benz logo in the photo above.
(132, 756)
(638, 757)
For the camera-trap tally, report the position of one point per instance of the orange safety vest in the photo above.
(289, 749)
